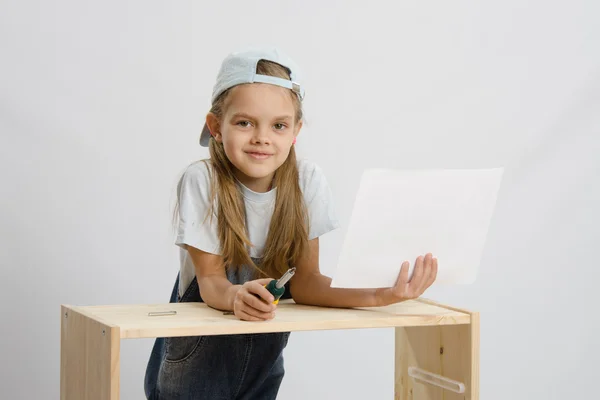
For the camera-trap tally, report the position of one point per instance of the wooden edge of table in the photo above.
(441, 305)
(84, 311)
(129, 318)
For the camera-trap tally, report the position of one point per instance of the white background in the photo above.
(102, 103)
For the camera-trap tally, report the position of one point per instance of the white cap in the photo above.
(240, 67)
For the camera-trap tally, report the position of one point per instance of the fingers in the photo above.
(258, 288)
(250, 298)
(430, 268)
(253, 302)
(401, 285)
(433, 274)
(247, 316)
(427, 266)
(415, 281)
(247, 304)
(424, 275)
(403, 277)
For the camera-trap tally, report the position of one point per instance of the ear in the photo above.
(212, 121)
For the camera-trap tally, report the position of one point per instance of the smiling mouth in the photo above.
(258, 155)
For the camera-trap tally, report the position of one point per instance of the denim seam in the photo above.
(245, 365)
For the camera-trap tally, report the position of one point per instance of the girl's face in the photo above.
(257, 131)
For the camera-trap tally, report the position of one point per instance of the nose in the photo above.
(261, 135)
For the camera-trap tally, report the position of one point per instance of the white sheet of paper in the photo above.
(401, 214)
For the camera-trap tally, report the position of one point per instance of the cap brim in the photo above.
(205, 136)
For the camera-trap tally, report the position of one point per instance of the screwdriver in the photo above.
(277, 287)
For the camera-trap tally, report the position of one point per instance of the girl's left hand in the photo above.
(424, 274)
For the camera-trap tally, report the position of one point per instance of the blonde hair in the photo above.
(285, 240)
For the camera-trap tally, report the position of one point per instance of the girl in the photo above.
(245, 216)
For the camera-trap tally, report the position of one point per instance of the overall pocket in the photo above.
(180, 348)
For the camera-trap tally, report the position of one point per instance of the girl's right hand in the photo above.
(253, 302)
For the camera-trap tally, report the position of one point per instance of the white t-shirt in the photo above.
(196, 229)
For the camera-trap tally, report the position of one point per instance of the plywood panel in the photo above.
(199, 319)
(449, 351)
(89, 358)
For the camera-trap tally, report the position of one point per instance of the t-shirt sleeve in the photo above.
(319, 200)
(195, 227)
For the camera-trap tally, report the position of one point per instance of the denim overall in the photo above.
(216, 367)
